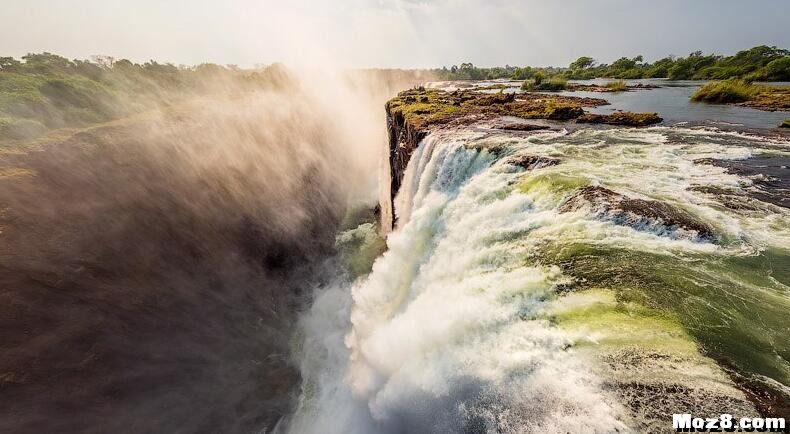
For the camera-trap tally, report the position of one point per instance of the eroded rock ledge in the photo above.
(416, 112)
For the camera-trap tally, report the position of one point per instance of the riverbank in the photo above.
(745, 94)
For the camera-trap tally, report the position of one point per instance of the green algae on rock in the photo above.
(422, 108)
(628, 119)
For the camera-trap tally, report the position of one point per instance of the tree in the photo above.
(45, 63)
(9, 64)
(777, 70)
(103, 61)
(583, 62)
(623, 64)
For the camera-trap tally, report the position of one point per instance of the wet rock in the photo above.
(564, 113)
(403, 140)
(530, 162)
(637, 213)
(621, 118)
(495, 98)
(518, 126)
(770, 176)
(603, 88)
(732, 199)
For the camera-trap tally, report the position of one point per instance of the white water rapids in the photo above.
(464, 325)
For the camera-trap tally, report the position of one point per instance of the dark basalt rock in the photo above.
(530, 162)
(637, 213)
(403, 140)
(731, 198)
(605, 89)
(770, 176)
(565, 113)
(517, 126)
(621, 118)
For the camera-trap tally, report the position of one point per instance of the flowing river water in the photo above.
(495, 309)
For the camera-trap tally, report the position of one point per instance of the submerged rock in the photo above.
(637, 213)
(530, 162)
(610, 88)
(769, 175)
(621, 118)
(518, 126)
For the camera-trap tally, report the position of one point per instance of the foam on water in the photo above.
(463, 324)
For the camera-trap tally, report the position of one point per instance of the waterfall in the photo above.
(493, 310)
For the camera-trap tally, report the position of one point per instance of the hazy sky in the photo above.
(389, 33)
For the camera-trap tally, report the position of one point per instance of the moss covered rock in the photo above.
(422, 108)
(621, 118)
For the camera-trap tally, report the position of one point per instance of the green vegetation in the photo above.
(420, 108)
(42, 92)
(727, 91)
(744, 93)
(762, 63)
(616, 86)
(540, 84)
(423, 107)
(45, 91)
(785, 124)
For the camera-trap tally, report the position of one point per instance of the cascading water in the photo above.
(495, 310)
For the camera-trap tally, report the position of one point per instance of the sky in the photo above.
(388, 33)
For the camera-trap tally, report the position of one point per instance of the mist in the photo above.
(153, 267)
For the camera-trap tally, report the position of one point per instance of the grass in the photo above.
(741, 92)
(616, 86)
(727, 91)
(424, 106)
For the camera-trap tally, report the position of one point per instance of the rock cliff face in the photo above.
(403, 139)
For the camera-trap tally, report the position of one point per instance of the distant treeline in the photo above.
(45, 91)
(762, 63)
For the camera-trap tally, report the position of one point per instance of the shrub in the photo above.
(777, 70)
(727, 91)
(555, 84)
(616, 86)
